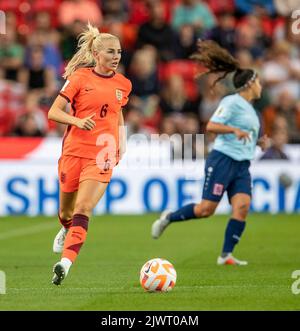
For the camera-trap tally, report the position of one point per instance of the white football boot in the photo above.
(59, 240)
(159, 226)
(230, 260)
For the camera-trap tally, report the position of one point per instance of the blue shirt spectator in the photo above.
(248, 6)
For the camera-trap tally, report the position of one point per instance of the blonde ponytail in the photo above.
(84, 55)
(90, 40)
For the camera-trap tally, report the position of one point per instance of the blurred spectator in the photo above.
(11, 20)
(167, 125)
(82, 10)
(148, 108)
(276, 151)
(37, 76)
(43, 22)
(157, 32)
(114, 11)
(261, 30)
(282, 72)
(134, 122)
(191, 124)
(193, 12)
(221, 6)
(191, 147)
(70, 39)
(33, 122)
(247, 38)
(143, 73)
(286, 7)
(27, 126)
(11, 55)
(49, 38)
(12, 97)
(252, 6)
(284, 108)
(224, 32)
(210, 99)
(185, 42)
(280, 123)
(174, 98)
(245, 58)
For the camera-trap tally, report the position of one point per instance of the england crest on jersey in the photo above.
(119, 95)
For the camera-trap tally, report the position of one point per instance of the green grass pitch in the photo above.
(106, 274)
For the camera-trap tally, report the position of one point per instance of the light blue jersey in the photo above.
(237, 112)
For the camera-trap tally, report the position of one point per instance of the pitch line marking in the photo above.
(105, 289)
(27, 231)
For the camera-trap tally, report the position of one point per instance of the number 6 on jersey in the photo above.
(103, 111)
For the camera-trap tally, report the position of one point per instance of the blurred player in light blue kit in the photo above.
(227, 167)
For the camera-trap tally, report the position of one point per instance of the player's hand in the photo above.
(242, 135)
(264, 142)
(86, 123)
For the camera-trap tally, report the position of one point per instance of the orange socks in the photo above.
(65, 223)
(76, 237)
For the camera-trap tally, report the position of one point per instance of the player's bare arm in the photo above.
(219, 128)
(58, 114)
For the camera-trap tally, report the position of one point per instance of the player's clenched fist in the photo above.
(242, 135)
(86, 123)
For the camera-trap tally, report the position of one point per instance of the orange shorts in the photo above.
(73, 170)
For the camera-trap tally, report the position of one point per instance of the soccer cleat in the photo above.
(230, 260)
(59, 240)
(160, 225)
(59, 273)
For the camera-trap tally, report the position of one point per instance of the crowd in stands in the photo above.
(157, 38)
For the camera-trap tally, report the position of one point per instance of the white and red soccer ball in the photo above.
(158, 275)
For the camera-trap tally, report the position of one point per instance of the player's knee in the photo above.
(204, 211)
(242, 210)
(66, 214)
(83, 207)
(207, 212)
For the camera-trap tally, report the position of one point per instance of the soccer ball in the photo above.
(158, 275)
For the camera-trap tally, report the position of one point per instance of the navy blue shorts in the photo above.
(222, 173)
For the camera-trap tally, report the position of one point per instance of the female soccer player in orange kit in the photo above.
(91, 144)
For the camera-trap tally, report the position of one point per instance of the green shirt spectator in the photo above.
(11, 55)
(193, 13)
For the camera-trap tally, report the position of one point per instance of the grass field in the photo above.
(106, 274)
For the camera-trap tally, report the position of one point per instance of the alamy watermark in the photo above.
(2, 282)
(296, 284)
(155, 151)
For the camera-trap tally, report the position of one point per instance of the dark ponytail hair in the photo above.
(218, 60)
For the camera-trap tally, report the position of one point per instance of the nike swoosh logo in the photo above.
(88, 89)
(146, 271)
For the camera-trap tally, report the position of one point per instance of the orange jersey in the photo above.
(91, 93)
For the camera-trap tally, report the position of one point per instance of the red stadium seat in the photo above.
(45, 5)
(220, 6)
(50, 6)
(138, 12)
(10, 5)
(187, 69)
